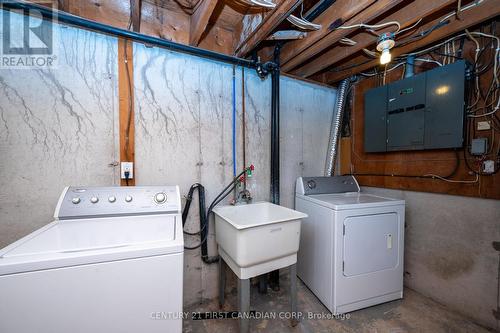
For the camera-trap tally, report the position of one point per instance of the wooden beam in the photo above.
(487, 10)
(345, 156)
(368, 15)
(63, 5)
(408, 16)
(340, 11)
(135, 14)
(126, 104)
(266, 27)
(199, 20)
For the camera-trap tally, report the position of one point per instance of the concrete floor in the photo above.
(415, 313)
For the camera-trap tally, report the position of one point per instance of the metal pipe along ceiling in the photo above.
(62, 17)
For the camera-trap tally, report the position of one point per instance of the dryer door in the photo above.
(370, 243)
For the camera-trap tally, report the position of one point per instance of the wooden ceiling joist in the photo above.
(266, 27)
(366, 16)
(199, 20)
(340, 11)
(63, 5)
(135, 14)
(487, 10)
(407, 16)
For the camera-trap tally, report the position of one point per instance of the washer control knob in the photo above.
(160, 197)
(112, 199)
(75, 200)
(128, 198)
(94, 200)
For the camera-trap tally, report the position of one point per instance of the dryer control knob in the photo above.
(94, 200)
(160, 197)
(112, 199)
(311, 184)
(76, 200)
(128, 198)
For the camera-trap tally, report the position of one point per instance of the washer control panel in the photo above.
(85, 201)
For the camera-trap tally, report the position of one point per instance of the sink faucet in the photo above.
(244, 197)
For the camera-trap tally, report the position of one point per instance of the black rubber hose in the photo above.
(204, 217)
(189, 198)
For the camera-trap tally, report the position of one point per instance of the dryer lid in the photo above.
(87, 241)
(352, 200)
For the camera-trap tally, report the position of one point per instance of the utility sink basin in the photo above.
(257, 238)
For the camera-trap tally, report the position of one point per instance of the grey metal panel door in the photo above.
(375, 120)
(405, 114)
(444, 116)
(405, 131)
(371, 243)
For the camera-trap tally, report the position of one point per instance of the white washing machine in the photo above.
(112, 261)
(351, 246)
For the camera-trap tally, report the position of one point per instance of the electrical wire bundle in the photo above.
(482, 92)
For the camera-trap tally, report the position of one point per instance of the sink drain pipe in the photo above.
(338, 113)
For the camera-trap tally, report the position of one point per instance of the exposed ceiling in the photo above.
(327, 55)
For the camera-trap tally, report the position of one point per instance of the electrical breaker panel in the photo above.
(424, 111)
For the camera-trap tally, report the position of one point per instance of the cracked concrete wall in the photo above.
(448, 250)
(58, 127)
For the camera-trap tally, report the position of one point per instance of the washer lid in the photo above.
(86, 241)
(352, 200)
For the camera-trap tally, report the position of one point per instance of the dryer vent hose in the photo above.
(338, 113)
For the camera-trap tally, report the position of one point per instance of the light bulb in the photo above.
(385, 57)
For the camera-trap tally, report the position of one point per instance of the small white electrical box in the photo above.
(127, 167)
(488, 166)
(483, 125)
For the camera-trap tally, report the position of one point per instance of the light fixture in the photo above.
(384, 44)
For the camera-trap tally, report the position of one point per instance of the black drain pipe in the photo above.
(274, 281)
(275, 128)
(62, 17)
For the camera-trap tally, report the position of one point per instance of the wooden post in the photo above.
(126, 105)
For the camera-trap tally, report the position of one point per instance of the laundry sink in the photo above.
(257, 238)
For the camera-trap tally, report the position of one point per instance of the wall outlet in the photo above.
(483, 125)
(127, 166)
(488, 166)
